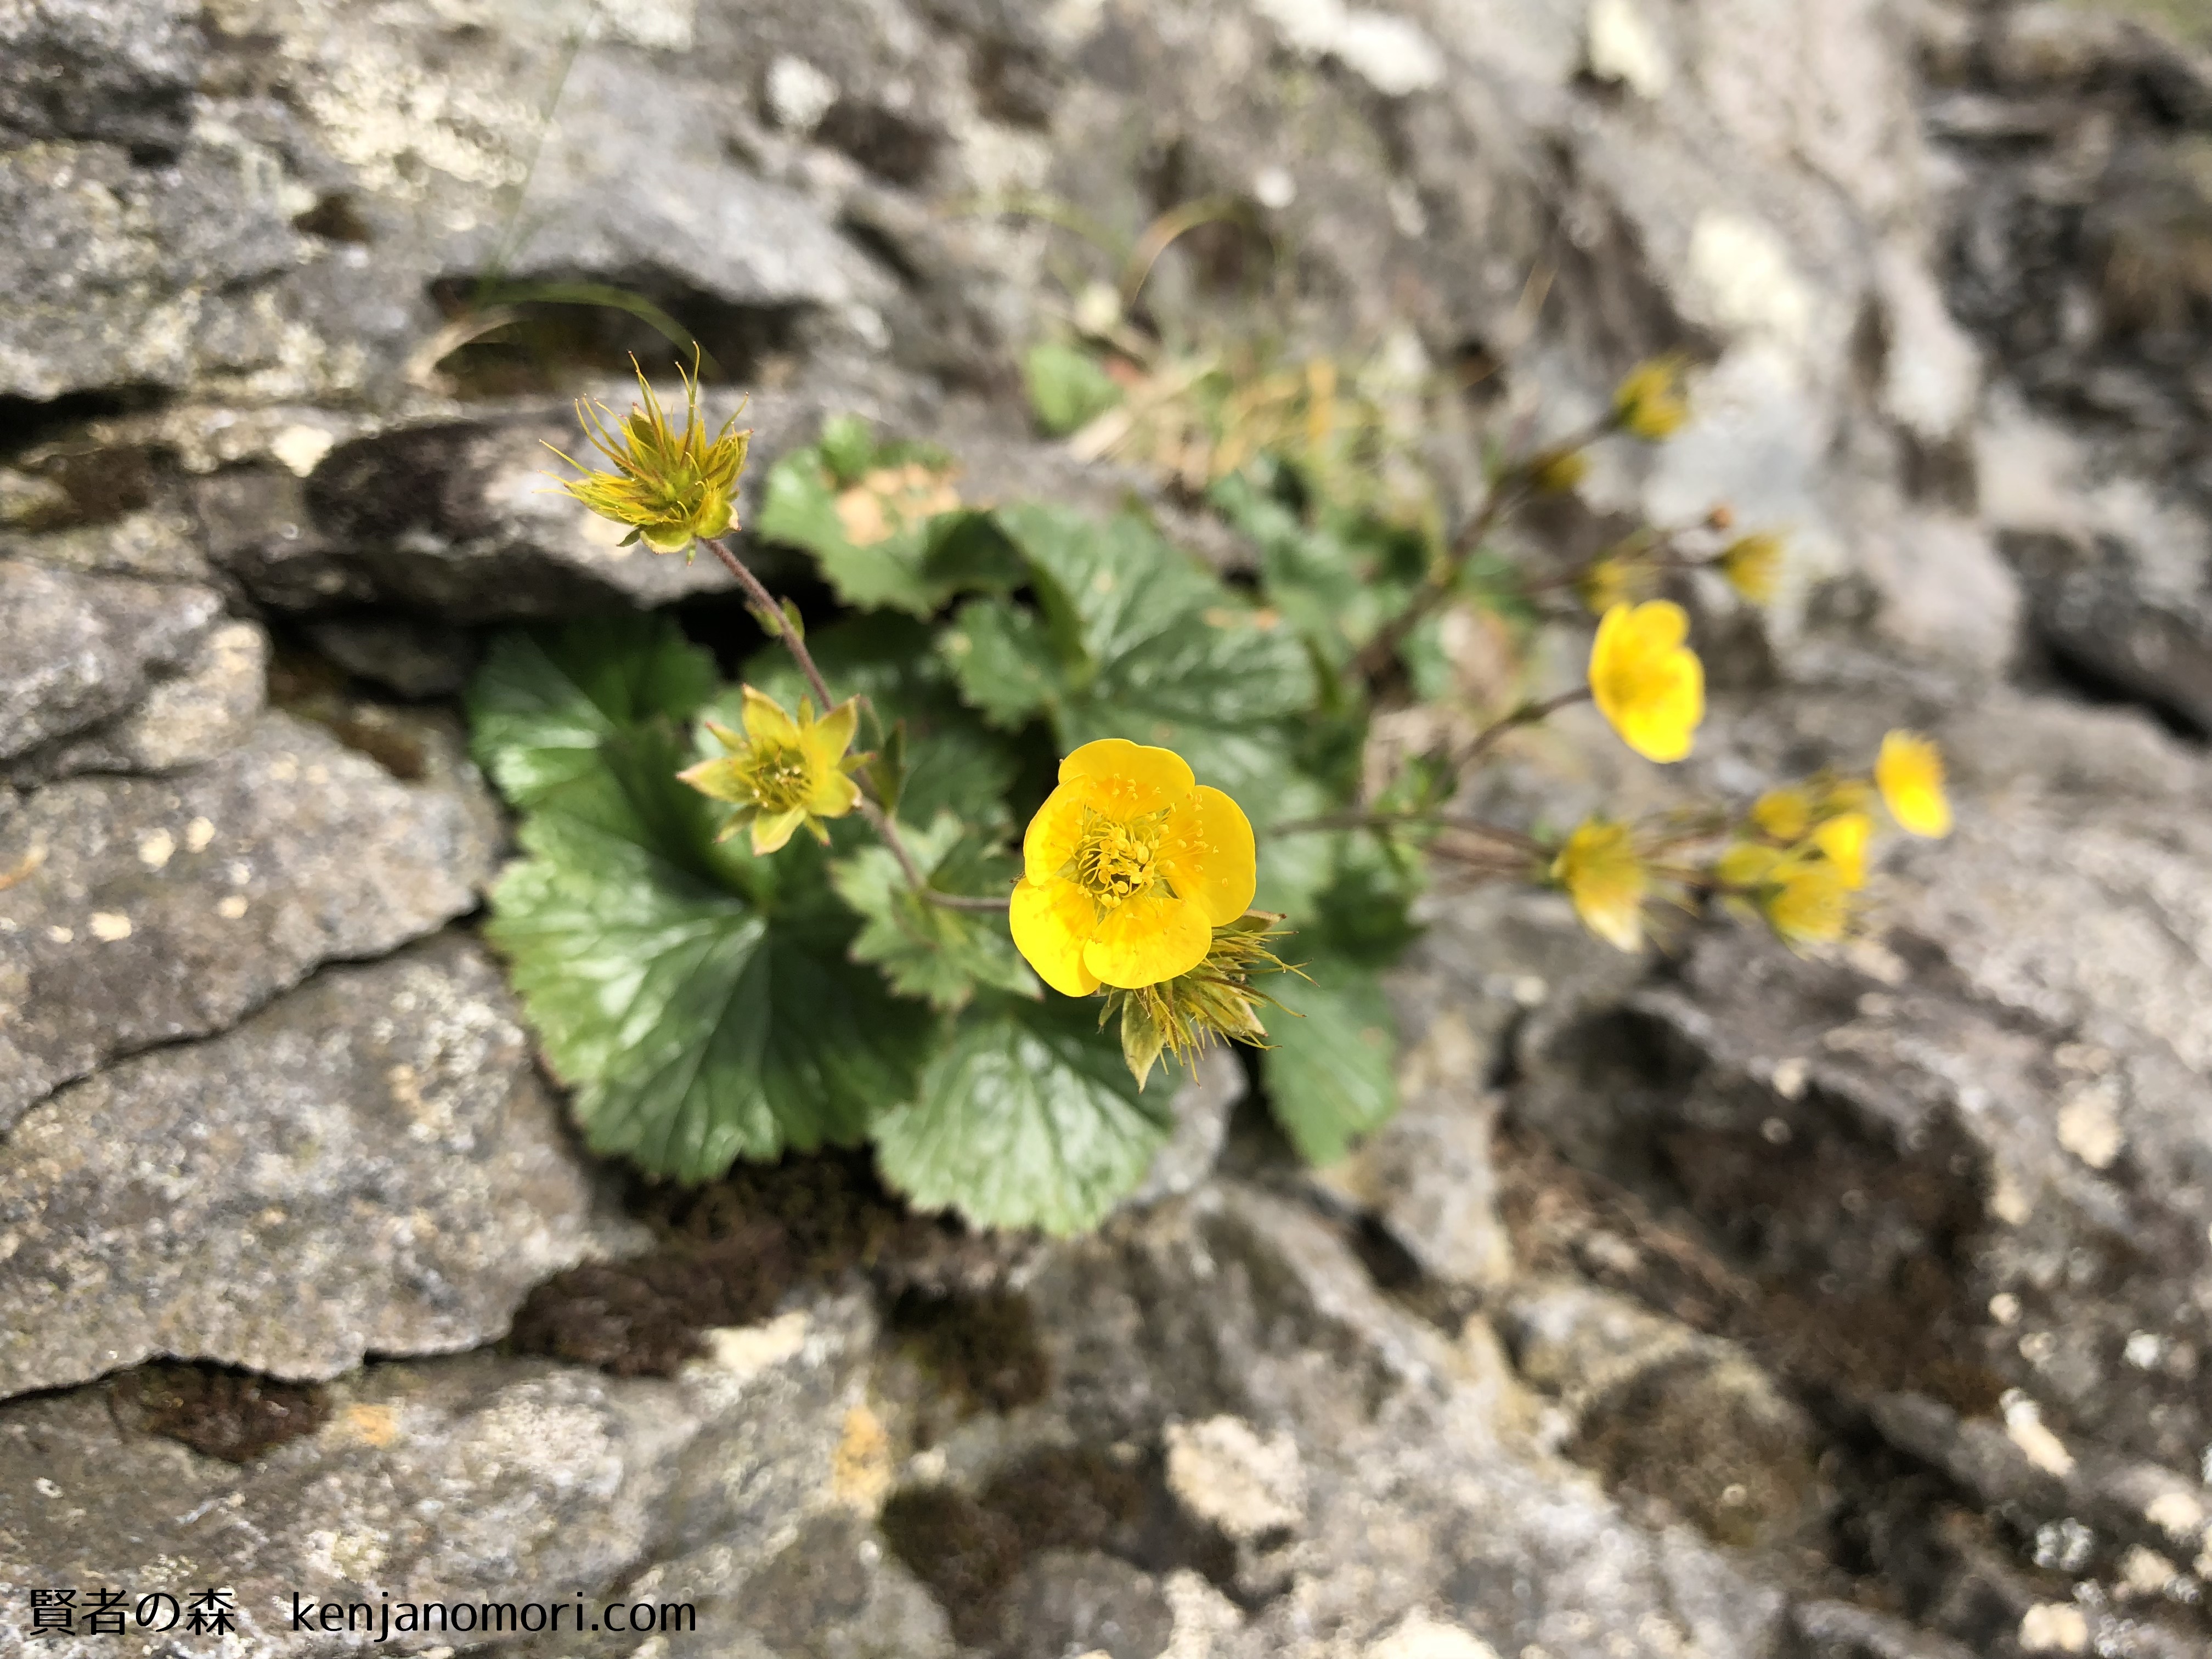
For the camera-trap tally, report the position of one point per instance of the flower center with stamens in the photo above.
(779, 779)
(1114, 861)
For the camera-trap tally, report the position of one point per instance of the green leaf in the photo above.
(925, 949)
(695, 1028)
(1002, 659)
(546, 698)
(1068, 388)
(1330, 1072)
(800, 506)
(1155, 648)
(698, 1001)
(1335, 579)
(1029, 1119)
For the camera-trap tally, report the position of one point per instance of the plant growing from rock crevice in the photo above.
(1191, 760)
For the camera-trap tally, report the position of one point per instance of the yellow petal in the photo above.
(722, 779)
(1053, 834)
(1209, 856)
(766, 722)
(1148, 939)
(1844, 841)
(828, 737)
(1606, 878)
(833, 795)
(1661, 723)
(1909, 772)
(772, 830)
(1051, 923)
(1128, 779)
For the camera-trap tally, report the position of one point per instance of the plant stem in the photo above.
(1356, 820)
(1508, 490)
(884, 825)
(1528, 713)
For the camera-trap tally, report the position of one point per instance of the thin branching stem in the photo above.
(882, 822)
(1508, 490)
(1410, 818)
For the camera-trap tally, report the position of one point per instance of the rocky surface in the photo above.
(142, 910)
(368, 1166)
(1719, 1302)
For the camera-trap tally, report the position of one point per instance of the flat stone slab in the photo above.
(79, 647)
(368, 1165)
(136, 911)
(464, 1482)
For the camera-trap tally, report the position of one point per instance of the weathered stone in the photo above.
(81, 649)
(368, 1165)
(468, 1481)
(123, 70)
(1204, 1101)
(140, 911)
(416, 659)
(210, 705)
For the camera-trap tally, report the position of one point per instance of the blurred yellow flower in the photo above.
(1558, 473)
(1909, 773)
(781, 773)
(671, 487)
(1607, 880)
(1648, 683)
(1652, 402)
(1128, 868)
(1843, 840)
(1611, 580)
(1785, 814)
(1753, 566)
(1806, 902)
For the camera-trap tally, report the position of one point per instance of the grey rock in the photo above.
(1080, 1601)
(1837, 1630)
(121, 70)
(1661, 1411)
(368, 1165)
(81, 649)
(416, 659)
(209, 706)
(471, 1480)
(1204, 1102)
(141, 910)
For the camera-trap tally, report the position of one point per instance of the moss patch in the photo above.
(236, 1415)
(981, 1349)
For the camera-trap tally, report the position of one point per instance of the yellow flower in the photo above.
(1806, 902)
(1128, 868)
(1843, 840)
(671, 487)
(1909, 773)
(1647, 683)
(1607, 880)
(781, 772)
(1651, 404)
(1753, 566)
(1785, 814)
(1613, 580)
(1559, 472)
